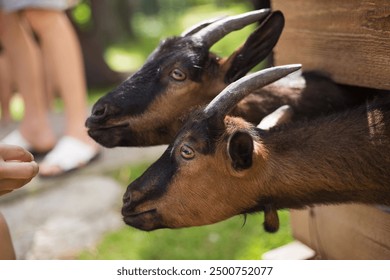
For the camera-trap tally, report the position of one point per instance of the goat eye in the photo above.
(178, 75)
(186, 152)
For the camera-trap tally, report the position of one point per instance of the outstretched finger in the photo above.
(18, 170)
(12, 152)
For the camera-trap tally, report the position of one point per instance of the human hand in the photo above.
(17, 167)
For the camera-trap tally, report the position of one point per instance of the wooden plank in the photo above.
(348, 231)
(350, 40)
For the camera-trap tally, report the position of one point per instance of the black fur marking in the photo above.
(152, 184)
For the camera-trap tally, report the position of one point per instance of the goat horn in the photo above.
(220, 28)
(224, 102)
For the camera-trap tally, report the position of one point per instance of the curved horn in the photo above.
(217, 30)
(195, 28)
(224, 102)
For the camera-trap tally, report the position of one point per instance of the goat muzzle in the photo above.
(139, 218)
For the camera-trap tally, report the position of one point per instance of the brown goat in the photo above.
(220, 166)
(182, 74)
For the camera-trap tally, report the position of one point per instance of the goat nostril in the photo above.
(127, 207)
(100, 111)
(126, 201)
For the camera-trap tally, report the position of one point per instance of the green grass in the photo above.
(231, 239)
(225, 240)
(222, 241)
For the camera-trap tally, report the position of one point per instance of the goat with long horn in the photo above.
(182, 74)
(219, 166)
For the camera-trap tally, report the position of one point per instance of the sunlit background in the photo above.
(121, 34)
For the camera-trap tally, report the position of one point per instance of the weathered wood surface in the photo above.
(350, 40)
(347, 231)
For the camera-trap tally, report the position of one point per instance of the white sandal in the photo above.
(69, 154)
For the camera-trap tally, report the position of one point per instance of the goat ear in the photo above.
(256, 48)
(240, 149)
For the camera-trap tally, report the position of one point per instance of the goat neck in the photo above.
(339, 158)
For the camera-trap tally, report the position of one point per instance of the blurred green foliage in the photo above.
(82, 14)
(171, 20)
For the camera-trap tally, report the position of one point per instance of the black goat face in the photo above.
(146, 108)
(179, 75)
